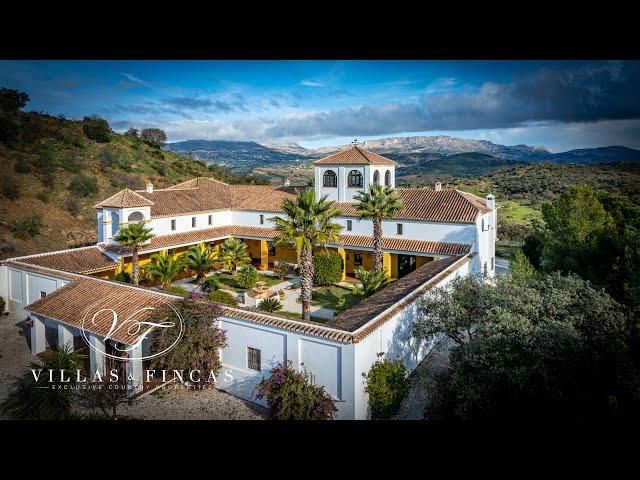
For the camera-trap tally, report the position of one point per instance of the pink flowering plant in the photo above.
(202, 340)
(290, 396)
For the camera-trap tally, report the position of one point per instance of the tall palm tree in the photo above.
(133, 237)
(308, 222)
(200, 259)
(165, 267)
(234, 254)
(376, 204)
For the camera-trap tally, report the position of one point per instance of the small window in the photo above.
(329, 179)
(173, 224)
(354, 179)
(357, 259)
(43, 294)
(387, 178)
(349, 225)
(193, 222)
(376, 177)
(261, 219)
(399, 228)
(253, 359)
(210, 219)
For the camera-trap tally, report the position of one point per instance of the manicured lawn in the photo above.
(328, 297)
(229, 282)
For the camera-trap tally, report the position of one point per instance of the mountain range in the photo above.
(417, 155)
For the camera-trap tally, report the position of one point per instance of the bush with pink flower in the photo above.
(291, 397)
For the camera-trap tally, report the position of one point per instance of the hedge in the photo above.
(223, 297)
(327, 268)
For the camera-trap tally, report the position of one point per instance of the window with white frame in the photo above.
(329, 179)
(210, 219)
(43, 294)
(261, 219)
(399, 228)
(173, 224)
(193, 222)
(349, 225)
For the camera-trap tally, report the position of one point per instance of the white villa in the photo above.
(439, 235)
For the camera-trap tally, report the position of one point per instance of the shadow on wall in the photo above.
(403, 345)
(245, 382)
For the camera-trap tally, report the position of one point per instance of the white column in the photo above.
(38, 339)
(96, 355)
(134, 368)
(65, 336)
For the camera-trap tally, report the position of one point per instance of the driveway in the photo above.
(168, 404)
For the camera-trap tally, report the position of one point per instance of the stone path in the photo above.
(422, 383)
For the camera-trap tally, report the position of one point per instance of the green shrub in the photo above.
(327, 268)
(387, 385)
(124, 277)
(73, 206)
(372, 282)
(84, 186)
(290, 396)
(21, 167)
(211, 284)
(108, 158)
(27, 226)
(282, 269)
(270, 305)
(177, 290)
(97, 129)
(10, 186)
(222, 297)
(3, 304)
(44, 196)
(248, 277)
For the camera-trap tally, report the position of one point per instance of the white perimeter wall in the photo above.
(20, 288)
(336, 366)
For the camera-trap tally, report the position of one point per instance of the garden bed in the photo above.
(229, 282)
(329, 297)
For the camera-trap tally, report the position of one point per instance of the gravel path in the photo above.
(422, 382)
(168, 404)
(184, 404)
(15, 355)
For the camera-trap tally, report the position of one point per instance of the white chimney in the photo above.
(491, 202)
(149, 187)
(438, 186)
(287, 182)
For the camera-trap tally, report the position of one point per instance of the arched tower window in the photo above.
(387, 178)
(354, 180)
(376, 177)
(329, 179)
(135, 217)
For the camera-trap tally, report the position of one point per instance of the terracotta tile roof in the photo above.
(260, 197)
(76, 260)
(405, 289)
(355, 156)
(125, 199)
(70, 303)
(391, 243)
(38, 269)
(436, 206)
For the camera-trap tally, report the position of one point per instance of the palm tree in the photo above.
(377, 204)
(133, 237)
(234, 254)
(165, 267)
(200, 259)
(40, 399)
(308, 221)
(371, 282)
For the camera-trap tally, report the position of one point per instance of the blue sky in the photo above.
(559, 105)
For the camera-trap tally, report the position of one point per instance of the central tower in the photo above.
(341, 175)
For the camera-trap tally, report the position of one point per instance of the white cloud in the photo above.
(311, 83)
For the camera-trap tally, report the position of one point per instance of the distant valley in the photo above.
(421, 158)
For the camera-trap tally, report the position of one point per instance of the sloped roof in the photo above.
(358, 315)
(75, 260)
(432, 205)
(125, 199)
(86, 296)
(355, 156)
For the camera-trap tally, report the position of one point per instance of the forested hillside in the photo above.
(54, 169)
